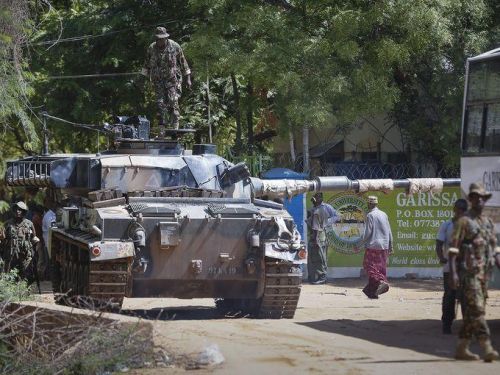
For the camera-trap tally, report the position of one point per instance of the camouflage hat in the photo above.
(478, 188)
(21, 205)
(161, 32)
(372, 199)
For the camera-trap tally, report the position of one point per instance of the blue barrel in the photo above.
(295, 206)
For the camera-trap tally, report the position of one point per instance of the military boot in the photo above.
(490, 354)
(463, 353)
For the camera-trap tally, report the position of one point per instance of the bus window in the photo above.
(477, 82)
(492, 91)
(492, 135)
(473, 132)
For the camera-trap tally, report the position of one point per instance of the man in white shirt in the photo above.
(48, 218)
(443, 242)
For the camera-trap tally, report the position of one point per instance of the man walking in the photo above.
(443, 242)
(165, 66)
(378, 242)
(320, 216)
(17, 242)
(472, 257)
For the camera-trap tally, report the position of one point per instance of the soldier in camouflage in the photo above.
(165, 66)
(17, 242)
(472, 254)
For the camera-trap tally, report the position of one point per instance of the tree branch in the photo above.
(284, 4)
(20, 140)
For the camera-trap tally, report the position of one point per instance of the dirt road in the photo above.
(335, 330)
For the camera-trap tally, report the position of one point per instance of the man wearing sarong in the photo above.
(378, 243)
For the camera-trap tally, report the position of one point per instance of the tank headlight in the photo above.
(95, 251)
(302, 254)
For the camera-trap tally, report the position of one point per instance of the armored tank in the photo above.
(148, 218)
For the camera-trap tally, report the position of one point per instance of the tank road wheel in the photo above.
(281, 291)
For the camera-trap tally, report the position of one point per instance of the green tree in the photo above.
(306, 62)
(95, 38)
(331, 62)
(15, 90)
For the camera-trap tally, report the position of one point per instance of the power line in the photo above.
(90, 36)
(77, 38)
(93, 75)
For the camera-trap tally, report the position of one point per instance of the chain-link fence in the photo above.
(363, 170)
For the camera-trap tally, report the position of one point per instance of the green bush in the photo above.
(12, 288)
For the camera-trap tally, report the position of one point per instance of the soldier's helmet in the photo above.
(478, 188)
(21, 205)
(161, 33)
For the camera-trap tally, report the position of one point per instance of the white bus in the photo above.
(480, 143)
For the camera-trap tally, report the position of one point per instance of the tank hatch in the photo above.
(150, 210)
(131, 135)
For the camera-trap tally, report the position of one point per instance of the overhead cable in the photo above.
(91, 36)
(98, 75)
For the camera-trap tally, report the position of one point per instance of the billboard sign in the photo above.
(414, 219)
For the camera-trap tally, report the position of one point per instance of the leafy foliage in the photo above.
(12, 289)
(15, 90)
(329, 63)
(308, 63)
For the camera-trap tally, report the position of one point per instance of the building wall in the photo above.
(362, 137)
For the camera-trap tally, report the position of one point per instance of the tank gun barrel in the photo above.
(290, 188)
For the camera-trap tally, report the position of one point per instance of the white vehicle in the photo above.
(480, 144)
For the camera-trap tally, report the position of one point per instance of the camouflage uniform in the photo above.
(16, 248)
(165, 68)
(476, 234)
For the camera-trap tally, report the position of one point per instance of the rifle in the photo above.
(34, 267)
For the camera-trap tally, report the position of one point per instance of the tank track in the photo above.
(94, 285)
(109, 281)
(282, 285)
(281, 291)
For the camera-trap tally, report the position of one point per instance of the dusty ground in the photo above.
(335, 330)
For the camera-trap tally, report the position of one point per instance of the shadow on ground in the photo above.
(183, 313)
(414, 284)
(422, 336)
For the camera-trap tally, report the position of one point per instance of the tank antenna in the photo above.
(45, 149)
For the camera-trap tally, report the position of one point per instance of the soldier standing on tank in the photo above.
(165, 66)
(17, 243)
(472, 256)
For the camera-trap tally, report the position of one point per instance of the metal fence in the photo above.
(363, 170)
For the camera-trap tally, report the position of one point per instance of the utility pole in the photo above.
(208, 109)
